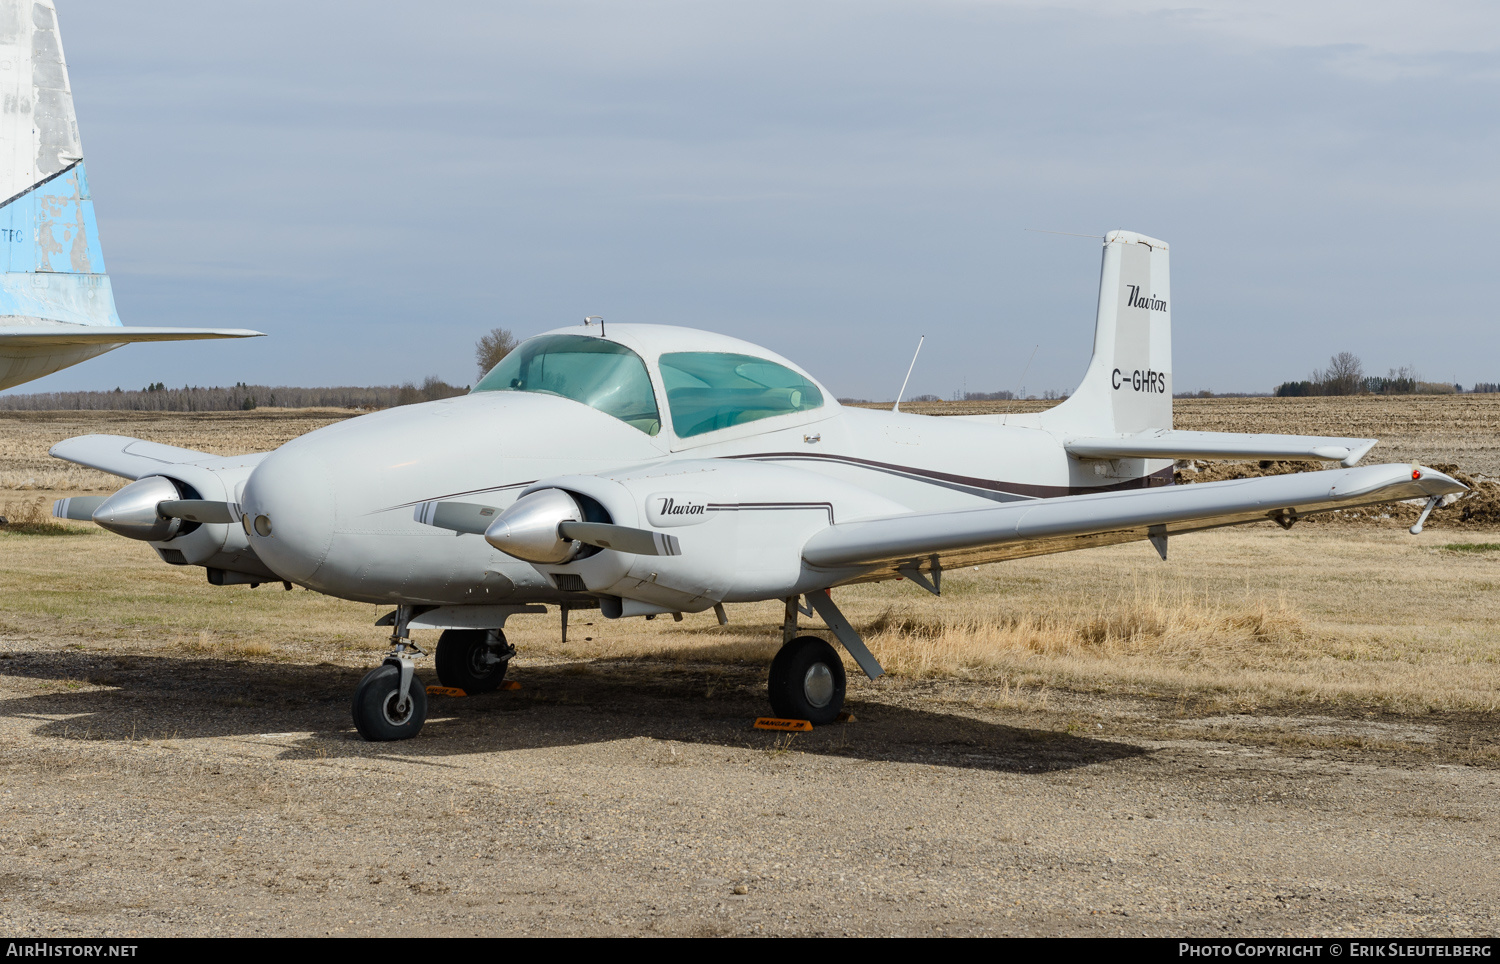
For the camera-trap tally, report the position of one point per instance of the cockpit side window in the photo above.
(601, 374)
(714, 390)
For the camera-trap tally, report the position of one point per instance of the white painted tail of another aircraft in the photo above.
(1128, 385)
(56, 304)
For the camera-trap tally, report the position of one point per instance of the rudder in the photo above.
(1128, 385)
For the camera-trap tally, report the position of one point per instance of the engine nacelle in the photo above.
(740, 526)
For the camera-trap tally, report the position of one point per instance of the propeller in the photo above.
(80, 508)
(457, 516)
(642, 542)
(200, 510)
(147, 508)
(545, 538)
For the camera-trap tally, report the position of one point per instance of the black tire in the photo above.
(463, 659)
(807, 681)
(376, 716)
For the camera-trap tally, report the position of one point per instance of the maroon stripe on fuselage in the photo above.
(1018, 489)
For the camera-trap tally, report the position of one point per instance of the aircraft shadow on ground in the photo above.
(571, 704)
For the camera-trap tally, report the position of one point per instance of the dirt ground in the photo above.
(160, 778)
(1272, 733)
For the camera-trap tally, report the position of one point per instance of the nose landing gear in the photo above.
(390, 703)
(386, 710)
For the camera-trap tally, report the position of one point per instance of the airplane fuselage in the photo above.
(340, 501)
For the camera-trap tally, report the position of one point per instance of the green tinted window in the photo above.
(596, 372)
(713, 390)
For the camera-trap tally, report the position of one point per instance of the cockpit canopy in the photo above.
(601, 374)
(704, 390)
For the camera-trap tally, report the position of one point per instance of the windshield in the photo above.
(713, 390)
(598, 373)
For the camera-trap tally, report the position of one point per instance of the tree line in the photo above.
(240, 397)
(1345, 375)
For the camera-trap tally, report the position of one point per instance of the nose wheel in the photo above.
(807, 681)
(386, 710)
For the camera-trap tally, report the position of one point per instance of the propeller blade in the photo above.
(456, 516)
(642, 542)
(199, 510)
(80, 508)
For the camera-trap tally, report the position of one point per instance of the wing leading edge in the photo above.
(1075, 522)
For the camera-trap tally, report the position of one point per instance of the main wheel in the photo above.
(807, 681)
(473, 660)
(378, 714)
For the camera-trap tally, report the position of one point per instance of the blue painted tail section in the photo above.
(51, 264)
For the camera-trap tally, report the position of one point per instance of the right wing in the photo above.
(1042, 526)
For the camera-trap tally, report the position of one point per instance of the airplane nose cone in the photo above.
(289, 506)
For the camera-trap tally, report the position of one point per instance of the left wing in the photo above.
(1080, 521)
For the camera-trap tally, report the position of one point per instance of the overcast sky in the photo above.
(377, 184)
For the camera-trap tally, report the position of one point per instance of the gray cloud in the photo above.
(378, 184)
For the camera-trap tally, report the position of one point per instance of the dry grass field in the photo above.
(1372, 617)
(1269, 733)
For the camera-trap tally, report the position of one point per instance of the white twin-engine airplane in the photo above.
(56, 304)
(647, 470)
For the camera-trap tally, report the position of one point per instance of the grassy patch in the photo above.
(33, 517)
(1472, 547)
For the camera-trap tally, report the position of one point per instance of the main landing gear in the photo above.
(807, 680)
(807, 675)
(473, 660)
(390, 703)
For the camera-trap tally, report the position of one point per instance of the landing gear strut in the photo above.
(390, 703)
(807, 676)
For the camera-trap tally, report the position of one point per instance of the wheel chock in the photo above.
(510, 684)
(846, 717)
(783, 726)
(445, 691)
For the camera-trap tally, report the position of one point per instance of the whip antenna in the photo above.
(897, 407)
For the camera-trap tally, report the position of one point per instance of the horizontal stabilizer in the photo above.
(54, 336)
(1173, 444)
(1072, 522)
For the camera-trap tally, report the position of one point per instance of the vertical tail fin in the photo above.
(51, 266)
(1128, 385)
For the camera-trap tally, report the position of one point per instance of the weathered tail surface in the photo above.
(56, 305)
(1128, 385)
(53, 268)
